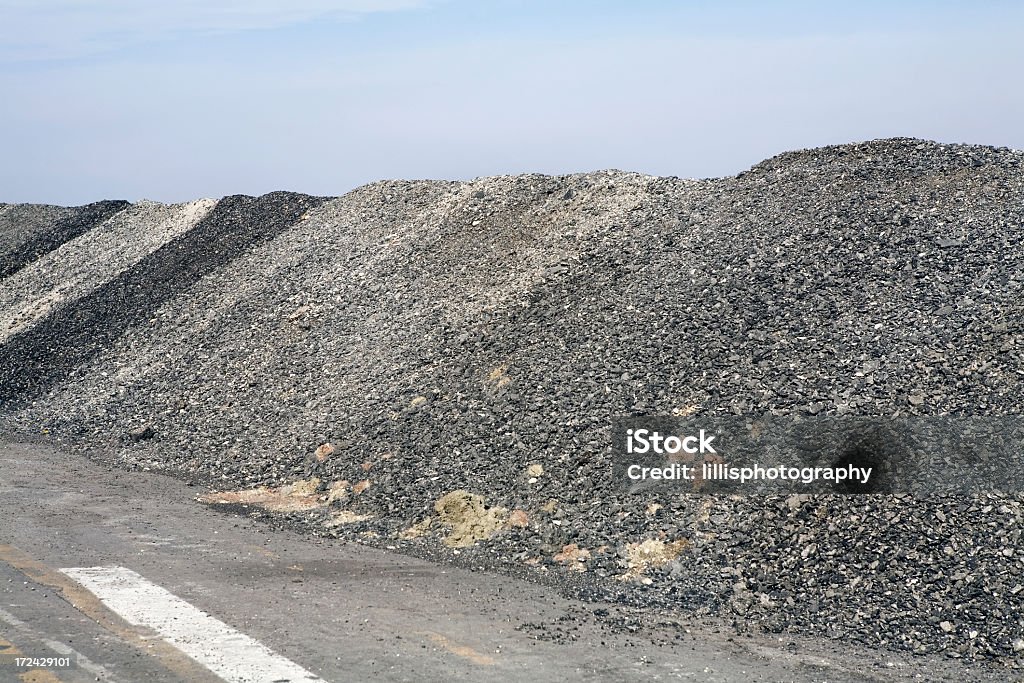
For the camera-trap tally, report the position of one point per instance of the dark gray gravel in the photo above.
(449, 335)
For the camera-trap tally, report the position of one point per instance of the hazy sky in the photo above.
(177, 100)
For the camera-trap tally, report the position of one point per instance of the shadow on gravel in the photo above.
(33, 361)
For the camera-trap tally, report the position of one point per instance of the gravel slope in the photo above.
(72, 334)
(28, 231)
(480, 336)
(85, 263)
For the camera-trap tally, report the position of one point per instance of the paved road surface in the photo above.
(130, 579)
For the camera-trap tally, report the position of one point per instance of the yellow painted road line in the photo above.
(38, 676)
(144, 639)
(463, 651)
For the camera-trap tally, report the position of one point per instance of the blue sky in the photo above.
(173, 101)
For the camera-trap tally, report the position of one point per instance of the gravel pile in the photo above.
(81, 265)
(435, 366)
(76, 330)
(28, 231)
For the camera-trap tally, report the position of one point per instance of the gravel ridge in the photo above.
(480, 336)
(28, 231)
(80, 265)
(39, 356)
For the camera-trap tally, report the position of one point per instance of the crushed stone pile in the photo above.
(28, 231)
(435, 365)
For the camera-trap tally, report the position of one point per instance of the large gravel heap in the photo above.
(463, 348)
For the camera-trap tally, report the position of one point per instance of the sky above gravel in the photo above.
(173, 101)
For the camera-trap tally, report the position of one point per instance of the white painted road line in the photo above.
(230, 654)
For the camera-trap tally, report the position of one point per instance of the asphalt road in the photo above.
(130, 579)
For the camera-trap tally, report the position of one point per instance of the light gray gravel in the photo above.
(446, 336)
